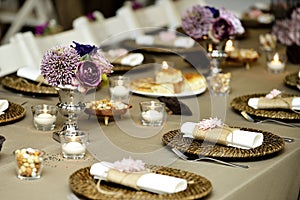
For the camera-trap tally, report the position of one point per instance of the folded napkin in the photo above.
(156, 183)
(179, 41)
(275, 103)
(31, 73)
(227, 136)
(3, 106)
(133, 59)
(121, 56)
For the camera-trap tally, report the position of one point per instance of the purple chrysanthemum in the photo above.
(196, 21)
(59, 64)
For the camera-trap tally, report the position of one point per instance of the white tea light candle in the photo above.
(44, 117)
(276, 64)
(119, 88)
(73, 144)
(229, 46)
(120, 91)
(73, 148)
(152, 113)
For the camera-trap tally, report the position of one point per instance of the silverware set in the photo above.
(251, 119)
(186, 158)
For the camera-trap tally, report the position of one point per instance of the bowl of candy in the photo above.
(106, 109)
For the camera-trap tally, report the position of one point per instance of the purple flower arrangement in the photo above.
(204, 21)
(287, 31)
(80, 66)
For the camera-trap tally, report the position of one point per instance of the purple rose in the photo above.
(83, 49)
(88, 74)
(221, 29)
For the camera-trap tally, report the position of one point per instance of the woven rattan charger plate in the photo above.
(271, 144)
(24, 86)
(13, 113)
(83, 184)
(241, 104)
(292, 80)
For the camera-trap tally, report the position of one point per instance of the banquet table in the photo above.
(276, 177)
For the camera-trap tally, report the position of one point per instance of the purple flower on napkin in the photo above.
(129, 165)
(274, 93)
(210, 123)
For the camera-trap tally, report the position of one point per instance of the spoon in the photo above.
(249, 118)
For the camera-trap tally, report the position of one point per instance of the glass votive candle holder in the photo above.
(220, 83)
(276, 62)
(73, 144)
(44, 117)
(29, 163)
(119, 88)
(152, 113)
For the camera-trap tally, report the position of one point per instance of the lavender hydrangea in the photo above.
(287, 31)
(196, 21)
(199, 21)
(59, 64)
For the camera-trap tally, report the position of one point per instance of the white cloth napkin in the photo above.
(31, 73)
(238, 138)
(156, 183)
(182, 42)
(133, 59)
(253, 103)
(3, 106)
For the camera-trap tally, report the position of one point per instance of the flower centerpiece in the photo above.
(287, 31)
(78, 66)
(73, 71)
(201, 22)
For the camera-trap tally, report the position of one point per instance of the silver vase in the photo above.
(70, 105)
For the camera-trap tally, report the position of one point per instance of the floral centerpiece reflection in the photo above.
(213, 26)
(73, 71)
(287, 31)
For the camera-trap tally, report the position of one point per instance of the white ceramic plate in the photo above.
(183, 94)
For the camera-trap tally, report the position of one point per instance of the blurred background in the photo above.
(25, 15)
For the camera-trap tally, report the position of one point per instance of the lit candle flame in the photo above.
(229, 46)
(152, 106)
(276, 57)
(210, 47)
(165, 65)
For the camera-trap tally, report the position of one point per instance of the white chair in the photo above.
(32, 13)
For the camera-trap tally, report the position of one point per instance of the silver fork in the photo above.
(184, 157)
(249, 118)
